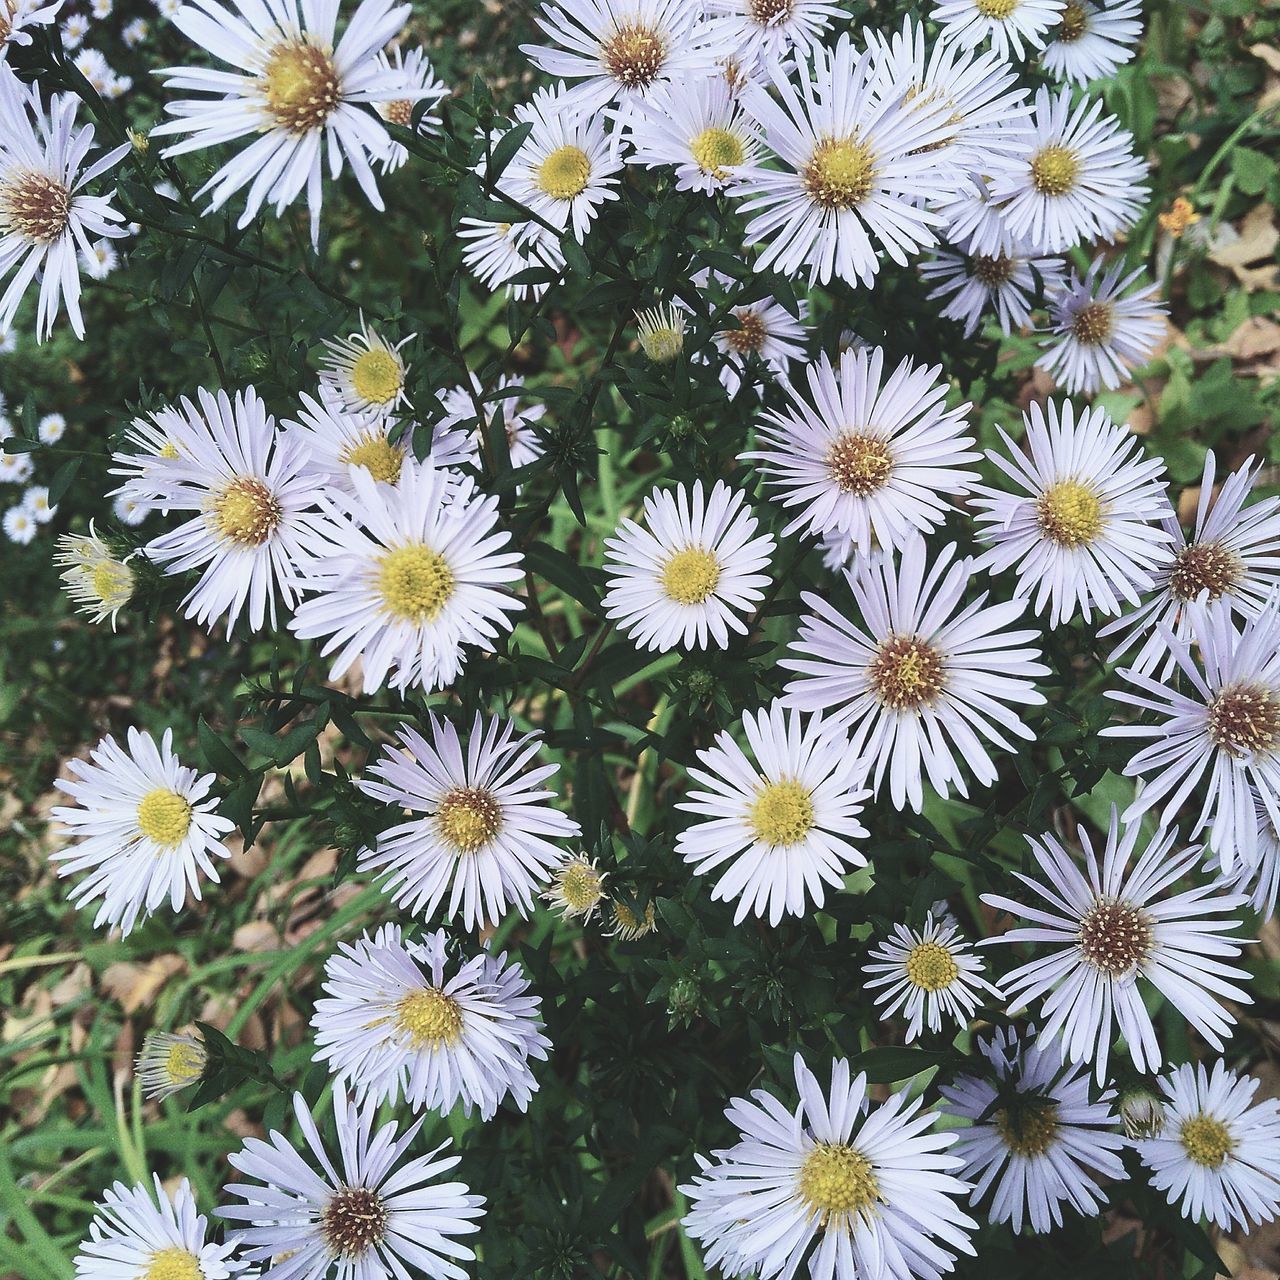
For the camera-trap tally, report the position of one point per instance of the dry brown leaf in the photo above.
(256, 935)
(1257, 240)
(136, 986)
(1258, 336)
(1268, 53)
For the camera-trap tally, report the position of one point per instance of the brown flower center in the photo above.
(859, 464)
(635, 54)
(1244, 720)
(766, 12)
(1074, 22)
(1029, 1130)
(36, 206)
(750, 334)
(992, 272)
(1204, 566)
(301, 85)
(906, 673)
(1092, 323)
(398, 112)
(1115, 937)
(353, 1221)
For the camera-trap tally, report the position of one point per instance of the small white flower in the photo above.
(146, 826)
(52, 427)
(364, 372)
(761, 330)
(129, 511)
(768, 30)
(99, 583)
(1092, 40)
(688, 574)
(167, 1063)
(979, 285)
(458, 433)
(1218, 1154)
(576, 891)
(20, 525)
(480, 828)
(1014, 27)
(416, 74)
(660, 332)
(100, 260)
(778, 829)
(496, 252)
(75, 27)
(135, 32)
(36, 500)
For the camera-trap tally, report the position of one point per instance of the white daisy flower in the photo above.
(1101, 328)
(74, 29)
(417, 75)
(611, 52)
(99, 260)
(482, 830)
(687, 575)
(20, 525)
(15, 467)
(36, 500)
(1218, 1154)
(1226, 726)
(1014, 27)
(1119, 934)
(393, 1023)
(660, 332)
(696, 128)
(336, 440)
(926, 973)
(135, 32)
(51, 428)
(855, 163)
(627, 925)
(364, 372)
(17, 15)
(371, 1213)
(764, 31)
(1080, 532)
(568, 166)
(576, 891)
(46, 215)
(867, 456)
(926, 678)
(762, 330)
(1035, 1136)
(405, 577)
(975, 220)
(518, 419)
(117, 87)
(253, 524)
(146, 828)
(168, 1063)
(138, 1235)
(102, 9)
(779, 828)
(855, 1190)
(129, 511)
(1078, 180)
(497, 252)
(99, 583)
(93, 66)
(1092, 40)
(293, 91)
(980, 285)
(168, 8)
(1231, 559)
(1257, 877)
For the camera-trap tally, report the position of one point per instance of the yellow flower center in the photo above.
(1069, 513)
(1204, 566)
(301, 86)
(781, 814)
(564, 173)
(377, 376)
(1115, 937)
(750, 334)
(378, 456)
(907, 673)
(353, 1221)
(859, 464)
(399, 112)
(168, 450)
(997, 9)
(173, 1264)
(931, 967)
(112, 583)
(468, 818)
(1030, 1130)
(690, 576)
(184, 1063)
(1206, 1141)
(1244, 720)
(1074, 22)
(580, 885)
(246, 512)
(34, 206)
(634, 54)
(415, 583)
(629, 926)
(1054, 170)
(840, 173)
(1092, 323)
(716, 151)
(836, 1181)
(164, 816)
(430, 1017)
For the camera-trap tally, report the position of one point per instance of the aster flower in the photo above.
(14, 467)
(567, 167)
(253, 521)
(46, 214)
(379, 1216)
(867, 456)
(168, 1063)
(480, 828)
(395, 1022)
(1257, 877)
(1218, 1153)
(36, 500)
(692, 571)
(576, 891)
(1231, 559)
(764, 31)
(52, 427)
(696, 128)
(1101, 329)
(405, 578)
(1080, 532)
(853, 1190)
(1036, 1141)
(979, 285)
(140, 1235)
(496, 252)
(660, 332)
(519, 418)
(762, 330)
(925, 679)
(1079, 180)
(925, 973)
(20, 525)
(622, 53)
(1226, 727)
(778, 829)
(975, 220)
(17, 15)
(1092, 40)
(296, 93)
(419, 79)
(99, 583)
(855, 165)
(146, 829)
(627, 925)
(1014, 27)
(364, 372)
(1118, 933)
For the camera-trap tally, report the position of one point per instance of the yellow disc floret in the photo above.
(164, 816)
(415, 583)
(782, 813)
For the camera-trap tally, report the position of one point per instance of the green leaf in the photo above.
(1253, 170)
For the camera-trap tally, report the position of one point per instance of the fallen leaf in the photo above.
(136, 986)
(1257, 240)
